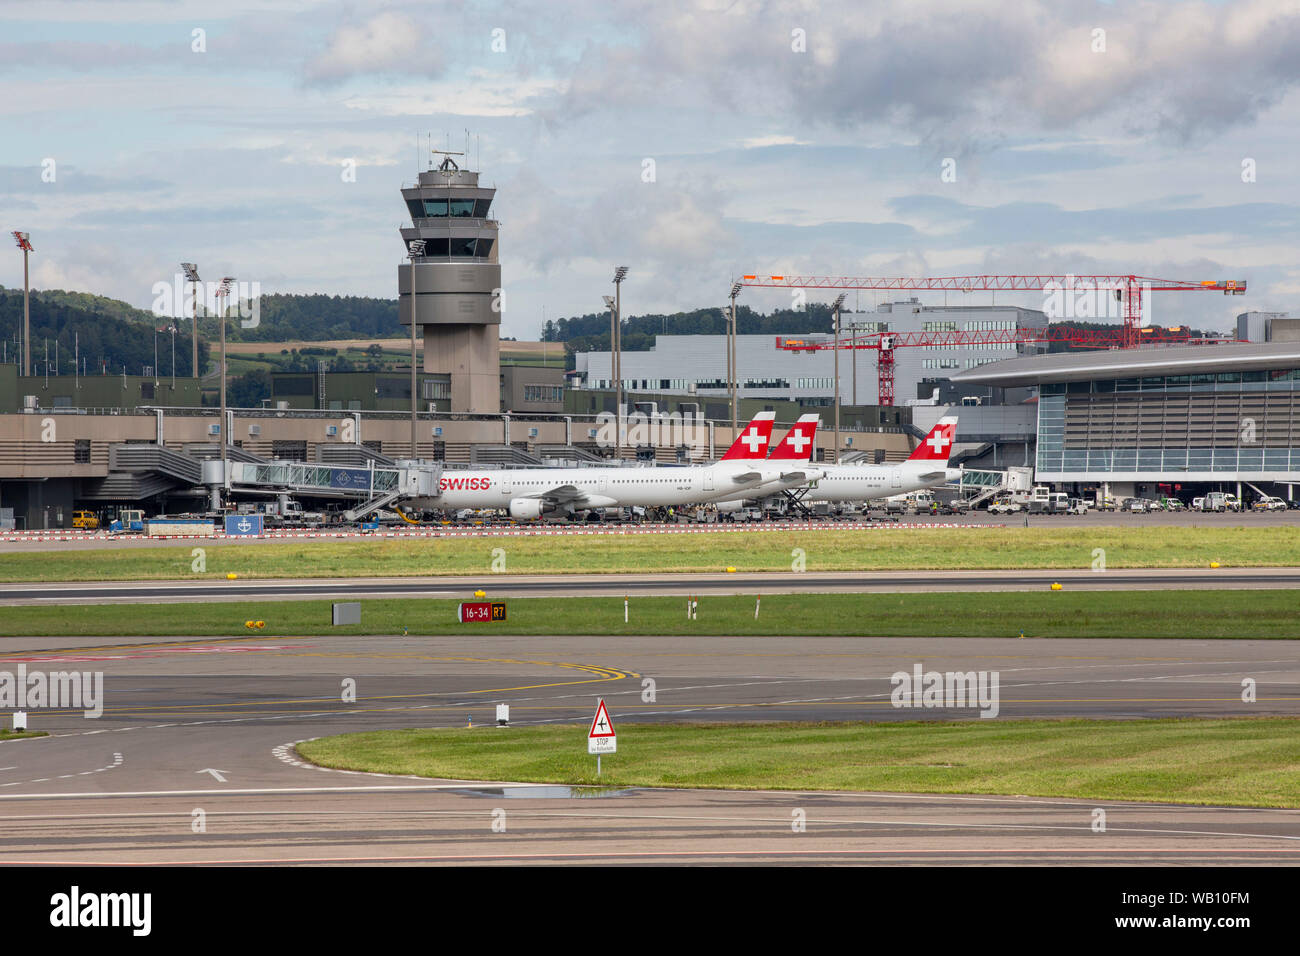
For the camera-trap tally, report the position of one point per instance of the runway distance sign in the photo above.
(481, 612)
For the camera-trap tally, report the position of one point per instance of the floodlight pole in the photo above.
(733, 386)
(838, 303)
(192, 275)
(24, 240)
(620, 273)
(222, 293)
(27, 314)
(414, 251)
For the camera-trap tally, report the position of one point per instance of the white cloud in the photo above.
(387, 43)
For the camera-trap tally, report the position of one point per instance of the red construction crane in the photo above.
(1127, 289)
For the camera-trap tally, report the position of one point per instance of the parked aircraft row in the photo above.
(746, 472)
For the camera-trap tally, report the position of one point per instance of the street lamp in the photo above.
(612, 305)
(223, 291)
(836, 307)
(414, 251)
(24, 240)
(620, 273)
(731, 355)
(192, 275)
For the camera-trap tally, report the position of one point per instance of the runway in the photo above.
(575, 585)
(209, 725)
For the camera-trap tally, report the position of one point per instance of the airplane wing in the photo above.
(572, 496)
(561, 494)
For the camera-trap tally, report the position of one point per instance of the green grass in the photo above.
(1240, 762)
(830, 550)
(1133, 614)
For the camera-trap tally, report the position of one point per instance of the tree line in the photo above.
(106, 333)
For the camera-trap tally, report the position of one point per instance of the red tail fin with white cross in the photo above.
(753, 439)
(937, 446)
(797, 445)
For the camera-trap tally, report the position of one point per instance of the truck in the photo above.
(1042, 500)
(290, 514)
(130, 521)
(1221, 501)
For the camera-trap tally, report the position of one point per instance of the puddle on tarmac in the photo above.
(543, 792)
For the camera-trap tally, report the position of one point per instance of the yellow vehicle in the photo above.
(86, 520)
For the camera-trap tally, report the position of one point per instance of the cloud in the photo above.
(1170, 70)
(387, 43)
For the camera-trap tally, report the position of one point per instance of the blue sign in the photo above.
(349, 478)
(238, 526)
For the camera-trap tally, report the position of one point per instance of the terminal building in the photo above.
(1178, 420)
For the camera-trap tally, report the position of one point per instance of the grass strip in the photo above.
(1036, 614)
(970, 548)
(1239, 762)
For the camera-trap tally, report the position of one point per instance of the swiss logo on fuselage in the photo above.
(464, 483)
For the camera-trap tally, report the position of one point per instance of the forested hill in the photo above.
(107, 333)
(314, 318)
(591, 332)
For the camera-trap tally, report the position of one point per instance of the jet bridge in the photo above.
(372, 487)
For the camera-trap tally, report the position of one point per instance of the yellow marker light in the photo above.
(1214, 564)
(231, 576)
(1056, 585)
(480, 594)
(731, 570)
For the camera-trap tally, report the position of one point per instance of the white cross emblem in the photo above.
(797, 441)
(753, 439)
(939, 441)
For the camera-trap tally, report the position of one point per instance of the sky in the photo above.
(691, 141)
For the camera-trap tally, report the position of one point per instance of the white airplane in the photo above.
(925, 468)
(792, 456)
(533, 492)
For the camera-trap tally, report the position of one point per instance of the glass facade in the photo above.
(1212, 426)
(445, 208)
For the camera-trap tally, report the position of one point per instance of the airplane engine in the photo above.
(729, 507)
(525, 508)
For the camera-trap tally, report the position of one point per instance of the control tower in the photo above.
(456, 282)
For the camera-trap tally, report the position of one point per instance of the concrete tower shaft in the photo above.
(456, 283)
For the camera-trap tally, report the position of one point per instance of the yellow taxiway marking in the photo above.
(603, 674)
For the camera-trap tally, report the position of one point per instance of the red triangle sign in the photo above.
(601, 725)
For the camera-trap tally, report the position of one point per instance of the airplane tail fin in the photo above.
(798, 443)
(937, 446)
(752, 442)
